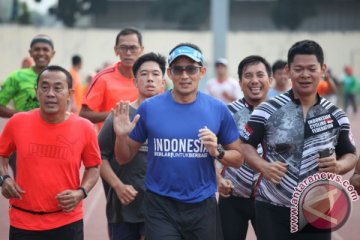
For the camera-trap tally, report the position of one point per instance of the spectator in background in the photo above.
(281, 79)
(76, 101)
(327, 87)
(350, 89)
(222, 86)
(115, 82)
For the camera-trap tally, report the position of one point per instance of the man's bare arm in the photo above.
(93, 116)
(232, 153)
(126, 193)
(355, 179)
(340, 166)
(273, 171)
(233, 156)
(9, 189)
(6, 112)
(69, 199)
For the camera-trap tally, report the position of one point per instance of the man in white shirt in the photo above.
(222, 86)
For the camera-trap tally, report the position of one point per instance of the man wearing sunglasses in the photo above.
(184, 128)
(115, 82)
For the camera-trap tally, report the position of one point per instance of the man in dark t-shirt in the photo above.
(124, 207)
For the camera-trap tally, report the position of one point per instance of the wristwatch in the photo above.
(2, 179)
(221, 152)
(84, 191)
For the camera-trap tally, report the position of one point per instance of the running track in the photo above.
(95, 220)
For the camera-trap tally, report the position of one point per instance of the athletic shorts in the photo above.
(72, 231)
(167, 218)
(273, 223)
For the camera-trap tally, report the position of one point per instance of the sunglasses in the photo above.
(190, 70)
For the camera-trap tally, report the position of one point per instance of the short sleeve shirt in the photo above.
(179, 166)
(132, 173)
(279, 126)
(229, 88)
(19, 86)
(107, 88)
(244, 178)
(48, 161)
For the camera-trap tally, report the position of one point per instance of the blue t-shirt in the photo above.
(179, 165)
(273, 93)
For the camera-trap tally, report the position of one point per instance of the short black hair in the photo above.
(55, 68)
(129, 31)
(251, 60)
(278, 65)
(188, 45)
(76, 60)
(306, 47)
(158, 58)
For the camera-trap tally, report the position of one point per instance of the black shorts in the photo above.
(166, 218)
(236, 212)
(72, 231)
(273, 223)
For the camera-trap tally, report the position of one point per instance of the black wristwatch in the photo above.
(84, 191)
(2, 179)
(221, 152)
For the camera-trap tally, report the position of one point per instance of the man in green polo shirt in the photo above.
(19, 86)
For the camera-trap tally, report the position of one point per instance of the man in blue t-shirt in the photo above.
(186, 130)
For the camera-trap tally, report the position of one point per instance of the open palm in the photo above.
(121, 120)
